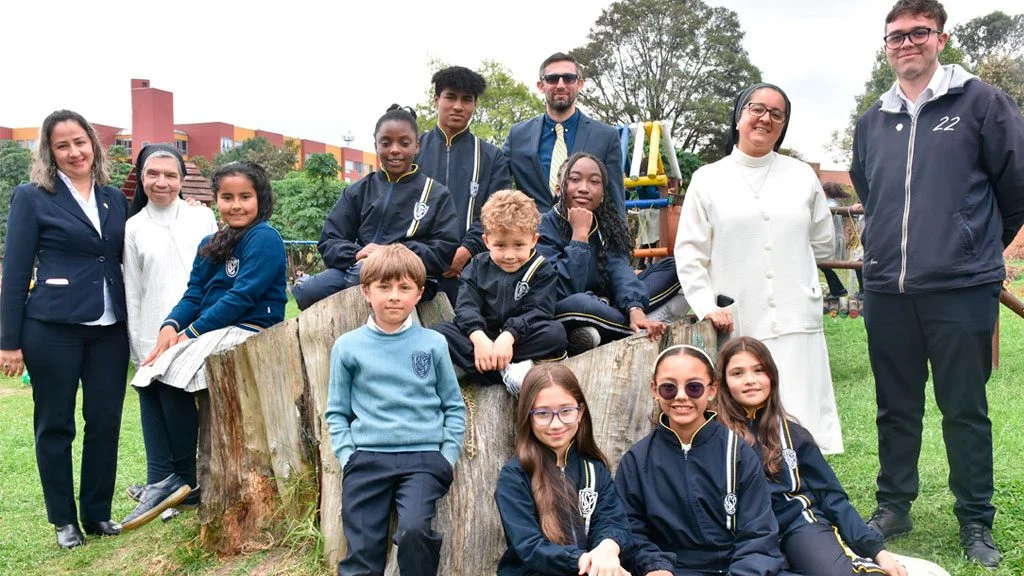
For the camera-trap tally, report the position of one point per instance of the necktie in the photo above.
(558, 155)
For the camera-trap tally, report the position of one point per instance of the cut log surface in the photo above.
(264, 445)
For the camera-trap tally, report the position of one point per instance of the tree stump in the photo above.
(265, 453)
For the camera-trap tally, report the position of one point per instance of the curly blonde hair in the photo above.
(509, 211)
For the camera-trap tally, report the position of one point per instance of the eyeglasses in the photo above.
(917, 37)
(567, 415)
(568, 78)
(757, 110)
(669, 390)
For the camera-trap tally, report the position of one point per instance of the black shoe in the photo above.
(976, 540)
(191, 502)
(105, 528)
(158, 497)
(135, 491)
(69, 536)
(889, 523)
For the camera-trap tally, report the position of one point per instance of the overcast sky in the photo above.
(319, 69)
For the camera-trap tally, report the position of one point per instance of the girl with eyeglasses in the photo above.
(751, 227)
(694, 492)
(822, 534)
(557, 502)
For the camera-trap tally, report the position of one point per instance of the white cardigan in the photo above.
(160, 246)
(750, 229)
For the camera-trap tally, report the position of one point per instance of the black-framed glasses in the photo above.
(757, 110)
(566, 415)
(552, 79)
(669, 390)
(917, 37)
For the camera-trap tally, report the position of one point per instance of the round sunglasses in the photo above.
(669, 390)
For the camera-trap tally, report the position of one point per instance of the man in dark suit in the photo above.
(558, 133)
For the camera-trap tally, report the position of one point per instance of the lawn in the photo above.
(27, 544)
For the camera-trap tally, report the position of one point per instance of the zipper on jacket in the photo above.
(384, 211)
(906, 201)
(447, 163)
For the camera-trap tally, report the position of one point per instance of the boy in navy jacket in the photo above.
(396, 419)
(471, 168)
(504, 317)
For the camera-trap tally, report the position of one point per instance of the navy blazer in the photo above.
(592, 136)
(72, 259)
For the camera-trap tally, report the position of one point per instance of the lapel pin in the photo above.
(108, 207)
(899, 128)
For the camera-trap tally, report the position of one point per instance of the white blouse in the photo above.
(750, 229)
(160, 244)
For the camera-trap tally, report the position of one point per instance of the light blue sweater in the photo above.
(394, 393)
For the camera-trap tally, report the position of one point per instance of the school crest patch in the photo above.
(474, 189)
(421, 363)
(588, 501)
(419, 211)
(231, 267)
(730, 503)
(789, 455)
(522, 288)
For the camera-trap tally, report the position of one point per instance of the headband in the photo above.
(691, 347)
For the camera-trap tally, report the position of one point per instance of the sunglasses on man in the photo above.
(552, 79)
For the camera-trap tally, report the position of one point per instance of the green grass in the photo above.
(27, 544)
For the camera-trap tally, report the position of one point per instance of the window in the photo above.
(181, 145)
(226, 144)
(29, 144)
(349, 167)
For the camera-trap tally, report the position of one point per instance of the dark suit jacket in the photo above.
(73, 260)
(592, 136)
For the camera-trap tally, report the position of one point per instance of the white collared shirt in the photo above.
(92, 212)
(937, 86)
(372, 325)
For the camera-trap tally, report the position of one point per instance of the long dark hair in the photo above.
(552, 494)
(732, 414)
(223, 243)
(611, 225)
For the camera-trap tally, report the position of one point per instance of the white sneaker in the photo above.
(513, 375)
(583, 339)
(670, 311)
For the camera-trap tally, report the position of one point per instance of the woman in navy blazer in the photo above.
(68, 324)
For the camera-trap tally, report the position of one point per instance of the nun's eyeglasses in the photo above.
(757, 110)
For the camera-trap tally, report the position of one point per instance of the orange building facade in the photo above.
(153, 121)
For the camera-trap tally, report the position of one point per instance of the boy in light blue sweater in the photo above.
(396, 418)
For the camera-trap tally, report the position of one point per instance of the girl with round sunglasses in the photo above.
(822, 533)
(694, 492)
(558, 505)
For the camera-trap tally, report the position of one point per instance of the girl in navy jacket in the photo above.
(557, 502)
(600, 297)
(822, 534)
(694, 492)
(237, 288)
(396, 204)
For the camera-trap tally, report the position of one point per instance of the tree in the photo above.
(120, 164)
(204, 166)
(993, 34)
(993, 45)
(882, 78)
(672, 60)
(15, 163)
(278, 162)
(504, 102)
(305, 198)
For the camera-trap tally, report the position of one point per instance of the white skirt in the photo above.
(805, 385)
(182, 365)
